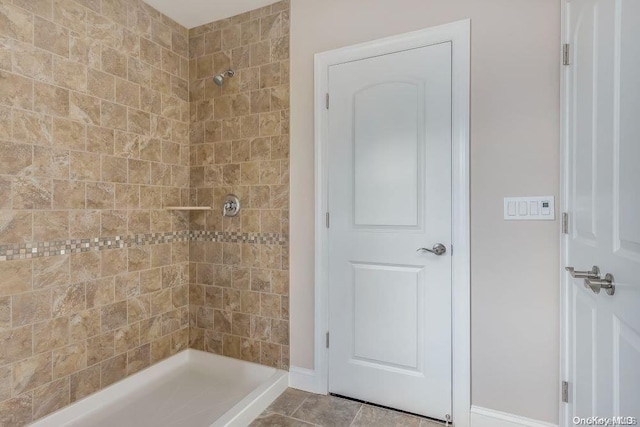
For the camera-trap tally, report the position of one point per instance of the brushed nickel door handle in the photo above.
(594, 273)
(438, 249)
(597, 284)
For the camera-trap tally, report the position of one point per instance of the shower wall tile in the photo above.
(94, 142)
(238, 296)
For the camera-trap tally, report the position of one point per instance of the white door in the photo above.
(389, 156)
(603, 189)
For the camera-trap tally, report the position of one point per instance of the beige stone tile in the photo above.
(50, 225)
(30, 307)
(113, 223)
(84, 108)
(288, 402)
(100, 292)
(15, 158)
(15, 90)
(271, 26)
(84, 383)
(51, 37)
(138, 359)
(68, 360)
(127, 93)
(273, 419)
(83, 166)
(100, 84)
(138, 308)
(68, 299)
(100, 195)
(47, 99)
(114, 316)
(50, 162)
(30, 373)
(33, 63)
(280, 49)
(100, 140)
(270, 124)
(100, 348)
(327, 410)
(16, 411)
(68, 195)
(85, 265)
(15, 227)
(69, 134)
(51, 397)
(127, 338)
(84, 325)
(15, 344)
(84, 224)
(270, 354)
(70, 74)
(70, 14)
(85, 50)
(31, 193)
(127, 285)
(114, 261)
(114, 62)
(38, 7)
(50, 334)
(113, 115)
(16, 22)
(260, 53)
(5, 313)
(280, 97)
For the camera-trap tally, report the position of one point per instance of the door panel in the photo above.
(627, 148)
(387, 174)
(379, 291)
(627, 369)
(389, 157)
(604, 206)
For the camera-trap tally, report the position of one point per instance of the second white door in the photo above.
(389, 157)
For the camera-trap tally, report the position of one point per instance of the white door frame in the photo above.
(459, 34)
(564, 207)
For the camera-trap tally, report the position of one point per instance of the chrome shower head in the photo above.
(219, 79)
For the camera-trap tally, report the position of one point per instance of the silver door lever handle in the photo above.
(597, 284)
(438, 249)
(594, 273)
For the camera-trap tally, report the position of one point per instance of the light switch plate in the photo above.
(530, 208)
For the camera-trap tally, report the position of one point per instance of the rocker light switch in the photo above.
(529, 208)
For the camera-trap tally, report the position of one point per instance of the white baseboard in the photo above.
(483, 417)
(302, 379)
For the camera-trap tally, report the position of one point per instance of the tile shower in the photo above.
(108, 114)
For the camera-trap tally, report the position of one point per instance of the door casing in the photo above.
(459, 34)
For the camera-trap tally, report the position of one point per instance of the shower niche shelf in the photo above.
(188, 208)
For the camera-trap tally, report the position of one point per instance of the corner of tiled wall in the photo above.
(239, 291)
(108, 114)
(94, 141)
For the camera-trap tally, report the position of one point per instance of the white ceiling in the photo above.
(192, 13)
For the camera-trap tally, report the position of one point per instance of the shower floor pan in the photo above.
(190, 389)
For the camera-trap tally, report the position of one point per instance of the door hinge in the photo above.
(565, 54)
(327, 219)
(327, 100)
(565, 392)
(565, 223)
(327, 343)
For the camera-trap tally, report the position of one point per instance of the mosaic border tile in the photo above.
(10, 252)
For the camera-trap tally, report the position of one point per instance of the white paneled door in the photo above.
(603, 199)
(389, 186)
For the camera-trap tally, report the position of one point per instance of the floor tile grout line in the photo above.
(356, 416)
(298, 407)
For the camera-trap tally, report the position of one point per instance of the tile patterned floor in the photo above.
(296, 408)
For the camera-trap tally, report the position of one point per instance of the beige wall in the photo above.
(514, 151)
